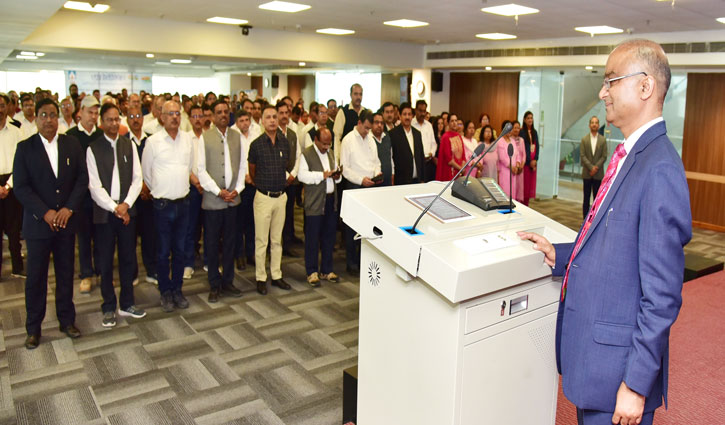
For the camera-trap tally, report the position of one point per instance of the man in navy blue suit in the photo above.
(51, 181)
(623, 275)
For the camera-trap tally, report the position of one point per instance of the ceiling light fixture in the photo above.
(588, 67)
(510, 10)
(599, 29)
(150, 55)
(228, 21)
(39, 54)
(26, 57)
(249, 74)
(488, 68)
(84, 6)
(406, 23)
(721, 20)
(303, 64)
(284, 6)
(180, 61)
(24, 53)
(496, 36)
(335, 31)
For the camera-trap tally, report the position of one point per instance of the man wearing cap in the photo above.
(86, 132)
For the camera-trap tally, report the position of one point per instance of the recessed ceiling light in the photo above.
(284, 6)
(24, 53)
(721, 20)
(488, 68)
(228, 21)
(588, 68)
(249, 74)
(39, 54)
(335, 31)
(496, 36)
(84, 6)
(303, 63)
(406, 23)
(26, 57)
(150, 55)
(599, 29)
(182, 61)
(510, 10)
(161, 63)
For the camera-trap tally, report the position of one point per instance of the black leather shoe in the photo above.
(167, 302)
(262, 287)
(289, 253)
(71, 331)
(281, 284)
(240, 263)
(231, 291)
(32, 342)
(214, 295)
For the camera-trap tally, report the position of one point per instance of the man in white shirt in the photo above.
(286, 130)
(320, 174)
(347, 117)
(428, 137)
(11, 212)
(65, 122)
(194, 227)
(114, 180)
(244, 248)
(321, 119)
(223, 181)
(152, 121)
(257, 113)
(167, 165)
(360, 164)
(248, 106)
(26, 116)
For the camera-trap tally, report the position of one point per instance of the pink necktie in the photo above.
(619, 153)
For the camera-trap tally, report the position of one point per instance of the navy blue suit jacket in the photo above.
(625, 284)
(37, 188)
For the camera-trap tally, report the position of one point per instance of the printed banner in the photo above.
(114, 82)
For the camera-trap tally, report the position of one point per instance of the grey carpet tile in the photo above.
(345, 333)
(268, 307)
(257, 359)
(122, 362)
(327, 368)
(192, 376)
(164, 412)
(222, 403)
(46, 355)
(105, 341)
(171, 351)
(310, 345)
(48, 380)
(299, 299)
(259, 417)
(133, 392)
(163, 328)
(329, 314)
(341, 291)
(231, 338)
(286, 386)
(68, 407)
(281, 326)
(6, 398)
(213, 319)
(320, 409)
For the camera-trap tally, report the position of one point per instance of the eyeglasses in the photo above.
(608, 81)
(134, 116)
(112, 120)
(52, 116)
(66, 106)
(197, 116)
(173, 113)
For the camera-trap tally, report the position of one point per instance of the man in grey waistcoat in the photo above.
(222, 165)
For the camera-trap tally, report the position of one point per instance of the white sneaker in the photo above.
(206, 268)
(151, 279)
(188, 272)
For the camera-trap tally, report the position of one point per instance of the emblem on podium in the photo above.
(374, 273)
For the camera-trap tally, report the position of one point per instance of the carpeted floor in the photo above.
(255, 360)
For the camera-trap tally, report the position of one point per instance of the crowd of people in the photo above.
(168, 169)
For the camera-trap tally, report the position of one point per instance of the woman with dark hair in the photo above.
(469, 143)
(510, 176)
(491, 158)
(483, 120)
(531, 146)
(451, 152)
(439, 127)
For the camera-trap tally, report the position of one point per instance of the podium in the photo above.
(457, 325)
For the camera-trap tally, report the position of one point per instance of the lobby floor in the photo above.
(276, 359)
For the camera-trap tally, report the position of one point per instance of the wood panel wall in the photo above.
(703, 148)
(257, 84)
(495, 93)
(295, 85)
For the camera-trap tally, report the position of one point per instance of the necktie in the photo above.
(619, 153)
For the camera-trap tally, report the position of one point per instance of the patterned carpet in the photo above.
(257, 360)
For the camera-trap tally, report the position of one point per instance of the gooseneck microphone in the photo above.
(476, 152)
(511, 176)
(506, 130)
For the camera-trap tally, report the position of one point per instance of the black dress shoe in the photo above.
(231, 291)
(289, 253)
(281, 284)
(214, 295)
(32, 342)
(262, 287)
(71, 331)
(240, 263)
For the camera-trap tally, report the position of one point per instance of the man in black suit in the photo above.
(407, 144)
(51, 181)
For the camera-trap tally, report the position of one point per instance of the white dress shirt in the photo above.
(359, 157)
(167, 164)
(308, 139)
(593, 140)
(88, 133)
(411, 144)
(10, 136)
(194, 151)
(302, 131)
(315, 177)
(206, 181)
(51, 148)
(154, 126)
(298, 152)
(64, 126)
(109, 201)
(253, 126)
(26, 127)
(427, 135)
(252, 133)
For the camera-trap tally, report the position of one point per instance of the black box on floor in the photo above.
(349, 395)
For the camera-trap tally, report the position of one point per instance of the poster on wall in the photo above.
(87, 81)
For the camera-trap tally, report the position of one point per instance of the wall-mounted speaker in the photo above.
(436, 81)
(275, 81)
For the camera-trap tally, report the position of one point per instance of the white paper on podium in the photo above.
(488, 242)
(442, 210)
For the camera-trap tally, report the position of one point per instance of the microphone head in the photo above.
(479, 149)
(506, 129)
(511, 149)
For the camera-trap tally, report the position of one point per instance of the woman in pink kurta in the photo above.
(511, 171)
(489, 161)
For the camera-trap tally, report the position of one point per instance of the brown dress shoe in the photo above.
(71, 331)
(32, 342)
(262, 287)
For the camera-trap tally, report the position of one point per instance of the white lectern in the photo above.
(456, 325)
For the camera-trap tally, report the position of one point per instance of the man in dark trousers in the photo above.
(593, 151)
(408, 153)
(114, 181)
(11, 212)
(86, 132)
(51, 182)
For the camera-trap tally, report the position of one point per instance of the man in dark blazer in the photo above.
(622, 287)
(407, 144)
(51, 182)
(593, 152)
